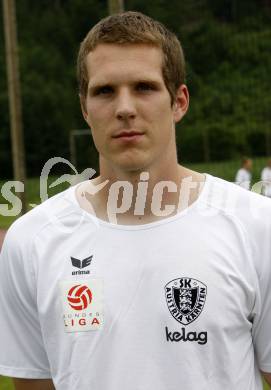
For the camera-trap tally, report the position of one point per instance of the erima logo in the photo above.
(81, 264)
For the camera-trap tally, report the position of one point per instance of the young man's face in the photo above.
(128, 106)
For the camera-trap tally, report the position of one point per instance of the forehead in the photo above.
(113, 62)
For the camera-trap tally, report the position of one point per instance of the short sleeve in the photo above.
(261, 331)
(22, 352)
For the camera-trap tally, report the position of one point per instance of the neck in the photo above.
(141, 196)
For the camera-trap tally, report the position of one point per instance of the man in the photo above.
(266, 178)
(150, 276)
(243, 175)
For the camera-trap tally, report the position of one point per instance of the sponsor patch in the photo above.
(185, 299)
(82, 303)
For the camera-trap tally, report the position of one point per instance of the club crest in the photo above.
(185, 299)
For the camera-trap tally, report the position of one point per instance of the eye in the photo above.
(145, 87)
(105, 90)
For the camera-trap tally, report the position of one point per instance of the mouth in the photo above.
(128, 135)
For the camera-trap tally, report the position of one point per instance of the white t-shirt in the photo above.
(185, 301)
(266, 177)
(243, 178)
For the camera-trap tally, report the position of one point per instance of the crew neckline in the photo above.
(144, 226)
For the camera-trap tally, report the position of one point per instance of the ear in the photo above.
(181, 103)
(83, 107)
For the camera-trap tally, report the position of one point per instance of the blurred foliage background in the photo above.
(228, 50)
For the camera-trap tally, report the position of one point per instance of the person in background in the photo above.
(266, 178)
(243, 175)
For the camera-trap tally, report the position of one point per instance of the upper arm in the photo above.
(22, 351)
(267, 377)
(261, 251)
(33, 384)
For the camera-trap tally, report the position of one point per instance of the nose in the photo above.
(125, 105)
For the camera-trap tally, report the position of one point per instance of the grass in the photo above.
(6, 383)
(227, 169)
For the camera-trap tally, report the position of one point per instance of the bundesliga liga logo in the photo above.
(79, 297)
(82, 305)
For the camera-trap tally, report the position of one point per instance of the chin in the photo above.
(130, 168)
(131, 164)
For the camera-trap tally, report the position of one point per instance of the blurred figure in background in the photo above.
(266, 177)
(243, 175)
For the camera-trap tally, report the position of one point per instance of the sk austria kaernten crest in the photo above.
(185, 299)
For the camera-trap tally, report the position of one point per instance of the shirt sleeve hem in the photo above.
(265, 368)
(24, 373)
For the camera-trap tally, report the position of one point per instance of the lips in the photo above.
(127, 134)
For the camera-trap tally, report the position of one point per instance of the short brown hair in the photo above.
(135, 27)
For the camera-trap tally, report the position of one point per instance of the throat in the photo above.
(140, 202)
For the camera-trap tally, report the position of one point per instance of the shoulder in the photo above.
(249, 214)
(54, 210)
(251, 209)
